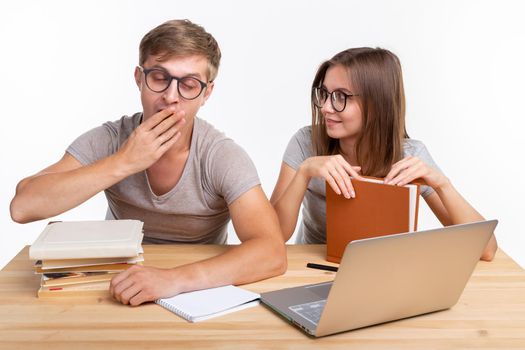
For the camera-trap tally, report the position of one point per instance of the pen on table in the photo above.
(321, 267)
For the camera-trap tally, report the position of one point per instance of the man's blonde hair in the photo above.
(179, 38)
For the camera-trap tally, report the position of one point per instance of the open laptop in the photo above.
(387, 278)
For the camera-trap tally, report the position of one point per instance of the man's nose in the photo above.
(171, 95)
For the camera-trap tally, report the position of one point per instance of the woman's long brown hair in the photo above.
(377, 78)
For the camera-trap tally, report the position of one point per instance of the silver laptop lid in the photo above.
(392, 277)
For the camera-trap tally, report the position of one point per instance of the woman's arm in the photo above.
(291, 186)
(466, 214)
(446, 203)
(287, 197)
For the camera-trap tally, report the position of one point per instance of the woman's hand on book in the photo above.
(411, 168)
(335, 170)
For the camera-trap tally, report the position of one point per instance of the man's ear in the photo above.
(207, 93)
(138, 77)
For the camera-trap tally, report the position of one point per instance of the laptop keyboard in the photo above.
(311, 311)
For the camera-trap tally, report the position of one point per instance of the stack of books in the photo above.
(79, 258)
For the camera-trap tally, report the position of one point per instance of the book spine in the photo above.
(174, 310)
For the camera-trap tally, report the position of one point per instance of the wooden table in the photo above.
(489, 315)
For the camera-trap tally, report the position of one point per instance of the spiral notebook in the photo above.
(203, 304)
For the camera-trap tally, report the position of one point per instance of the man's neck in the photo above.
(183, 144)
(166, 172)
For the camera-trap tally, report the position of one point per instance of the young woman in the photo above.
(358, 128)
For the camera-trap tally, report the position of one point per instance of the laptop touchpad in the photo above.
(321, 290)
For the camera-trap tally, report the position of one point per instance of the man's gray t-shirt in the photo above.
(216, 173)
(313, 225)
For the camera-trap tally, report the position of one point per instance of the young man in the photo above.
(170, 169)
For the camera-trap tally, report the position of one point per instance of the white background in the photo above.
(67, 66)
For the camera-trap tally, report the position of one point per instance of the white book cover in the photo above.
(88, 239)
(203, 304)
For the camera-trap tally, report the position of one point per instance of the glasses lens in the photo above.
(319, 96)
(338, 100)
(190, 87)
(158, 80)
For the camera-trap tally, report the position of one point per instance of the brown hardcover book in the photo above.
(377, 210)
